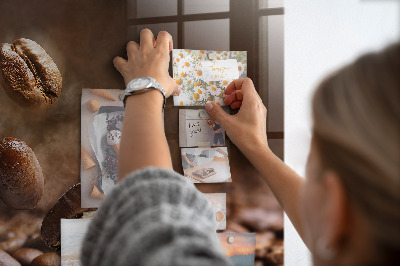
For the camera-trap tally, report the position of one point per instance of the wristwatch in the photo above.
(141, 85)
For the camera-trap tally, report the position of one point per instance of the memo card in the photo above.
(203, 74)
(239, 247)
(72, 233)
(197, 128)
(218, 201)
(206, 165)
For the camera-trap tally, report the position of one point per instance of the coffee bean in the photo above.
(258, 219)
(25, 256)
(13, 244)
(235, 227)
(264, 240)
(7, 260)
(35, 241)
(47, 259)
(21, 177)
(29, 75)
(6, 236)
(275, 253)
(68, 206)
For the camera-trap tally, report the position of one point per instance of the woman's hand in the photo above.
(247, 129)
(150, 59)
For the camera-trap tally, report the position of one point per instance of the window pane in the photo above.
(205, 6)
(152, 8)
(271, 3)
(172, 28)
(207, 34)
(272, 70)
(276, 146)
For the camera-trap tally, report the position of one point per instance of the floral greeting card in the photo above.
(203, 75)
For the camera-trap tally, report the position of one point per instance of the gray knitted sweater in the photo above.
(153, 217)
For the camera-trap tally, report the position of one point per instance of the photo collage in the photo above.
(203, 76)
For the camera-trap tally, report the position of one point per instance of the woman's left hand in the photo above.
(149, 59)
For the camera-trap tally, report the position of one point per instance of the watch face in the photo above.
(140, 83)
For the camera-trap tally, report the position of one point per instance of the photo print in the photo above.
(198, 129)
(203, 75)
(218, 201)
(105, 135)
(72, 233)
(102, 115)
(206, 165)
(239, 247)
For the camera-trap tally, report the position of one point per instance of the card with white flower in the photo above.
(204, 75)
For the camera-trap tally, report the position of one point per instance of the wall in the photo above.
(321, 36)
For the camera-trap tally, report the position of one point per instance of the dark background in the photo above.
(83, 37)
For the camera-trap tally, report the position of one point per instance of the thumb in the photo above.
(218, 113)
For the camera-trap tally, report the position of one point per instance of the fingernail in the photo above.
(179, 90)
(209, 106)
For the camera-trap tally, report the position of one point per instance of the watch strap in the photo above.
(153, 86)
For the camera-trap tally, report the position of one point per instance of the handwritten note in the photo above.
(194, 128)
(219, 70)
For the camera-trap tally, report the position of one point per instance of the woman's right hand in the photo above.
(247, 128)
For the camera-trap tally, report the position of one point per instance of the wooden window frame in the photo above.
(239, 11)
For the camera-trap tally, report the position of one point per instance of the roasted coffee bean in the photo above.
(264, 240)
(21, 177)
(258, 219)
(68, 206)
(13, 244)
(29, 75)
(47, 259)
(235, 227)
(7, 235)
(275, 253)
(7, 260)
(36, 241)
(25, 256)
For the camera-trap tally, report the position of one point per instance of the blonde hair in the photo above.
(356, 114)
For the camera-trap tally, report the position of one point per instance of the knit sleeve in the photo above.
(153, 217)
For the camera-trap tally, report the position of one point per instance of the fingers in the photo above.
(236, 105)
(177, 92)
(236, 96)
(245, 85)
(146, 39)
(218, 113)
(119, 63)
(131, 48)
(164, 41)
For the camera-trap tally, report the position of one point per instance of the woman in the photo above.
(346, 211)
(218, 131)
